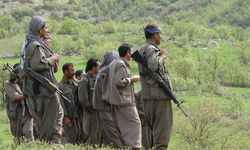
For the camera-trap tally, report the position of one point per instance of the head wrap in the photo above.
(153, 30)
(108, 58)
(36, 23)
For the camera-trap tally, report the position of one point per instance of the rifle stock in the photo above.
(161, 82)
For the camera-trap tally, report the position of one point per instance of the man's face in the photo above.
(157, 37)
(43, 31)
(129, 55)
(70, 72)
(47, 38)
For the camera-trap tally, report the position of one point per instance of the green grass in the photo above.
(5, 134)
(190, 100)
(11, 45)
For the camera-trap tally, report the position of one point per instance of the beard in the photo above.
(158, 42)
(71, 76)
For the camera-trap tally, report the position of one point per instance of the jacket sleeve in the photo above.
(153, 59)
(39, 61)
(10, 92)
(83, 93)
(120, 78)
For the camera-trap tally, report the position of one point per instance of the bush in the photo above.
(199, 131)
(109, 28)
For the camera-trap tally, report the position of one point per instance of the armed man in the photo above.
(21, 122)
(70, 121)
(120, 93)
(109, 130)
(43, 103)
(157, 105)
(85, 95)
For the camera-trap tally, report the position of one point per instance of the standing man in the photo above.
(120, 94)
(68, 86)
(21, 122)
(85, 95)
(44, 104)
(157, 105)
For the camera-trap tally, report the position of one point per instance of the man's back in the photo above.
(11, 105)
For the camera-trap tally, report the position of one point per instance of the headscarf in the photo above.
(108, 58)
(36, 23)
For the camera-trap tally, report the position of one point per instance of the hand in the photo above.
(163, 52)
(135, 78)
(67, 121)
(62, 131)
(163, 57)
(55, 58)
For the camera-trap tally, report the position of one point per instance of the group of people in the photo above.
(103, 108)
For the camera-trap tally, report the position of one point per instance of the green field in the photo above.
(226, 108)
(227, 121)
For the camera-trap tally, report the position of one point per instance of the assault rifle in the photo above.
(44, 81)
(162, 83)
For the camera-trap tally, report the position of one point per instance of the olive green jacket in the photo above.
(150, 90)
(69, 90)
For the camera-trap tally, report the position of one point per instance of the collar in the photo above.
(151, 43)
(126, 63)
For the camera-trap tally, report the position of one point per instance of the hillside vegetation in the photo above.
(208, 44)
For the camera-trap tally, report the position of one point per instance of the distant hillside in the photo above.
(209, 12)
(208, 39)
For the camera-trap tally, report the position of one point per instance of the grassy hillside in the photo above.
(209, 12)
(208, 56)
